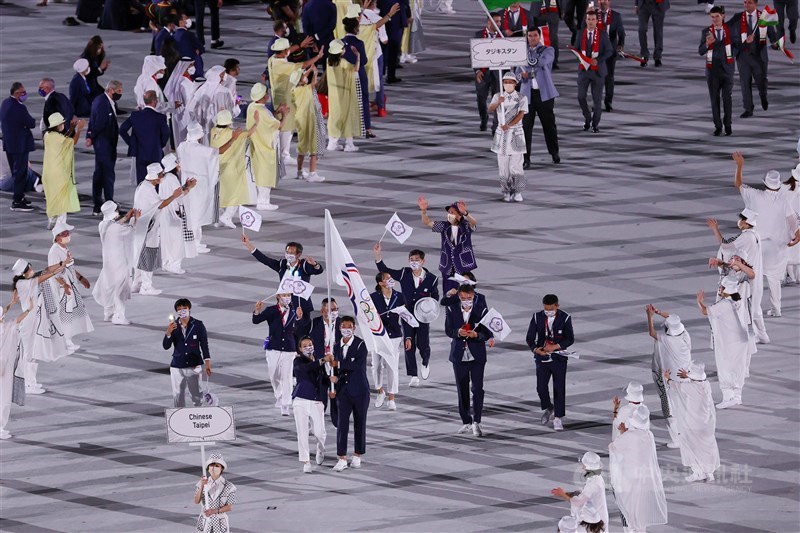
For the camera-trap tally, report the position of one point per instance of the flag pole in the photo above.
(489, 15)
(328, 263)
(382, 236)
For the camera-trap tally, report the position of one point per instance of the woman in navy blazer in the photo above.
(386, 298)
(307, 402)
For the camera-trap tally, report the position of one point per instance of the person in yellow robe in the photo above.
(341, 11)
(233, 187)
(267, 168)
(58, 169)
(311, 134)
(344, 112)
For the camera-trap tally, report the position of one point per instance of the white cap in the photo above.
(280, 45)
(674, 325)
(195, 132)
(749, 215)
(59, 228)
(590, 514)
(772, 179)
(568, 524)
(153, 170)
(697, 371)
(169, 161)
(54, 120)
(80, 65)
(730, 284)
(591, 461)
(109, 209)
(640, 419)
(216, 458)
(258, 92)
(224, 118)
(336, 47)
(634, 392)
(743, 255)
(353, 11)
(510, 76)
(796, 171)
(19, 267)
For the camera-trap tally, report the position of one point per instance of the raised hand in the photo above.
(422, 203)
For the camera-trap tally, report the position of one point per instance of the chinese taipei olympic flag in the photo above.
(343, 271)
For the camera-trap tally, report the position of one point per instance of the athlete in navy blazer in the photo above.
(395, 327)
(281, 336)
(394, 31)
(352, 390)
(315, 329)
(104, 134)
(149, 134)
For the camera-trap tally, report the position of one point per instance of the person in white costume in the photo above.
(201, 163)
(179, 89)
(211, 98)
(509, 139)
(113, 286)
(593, 492)
(177, 241)
(791, 190)
(9, 359)
(636, 476)
(697, 422)
(216, 496)
(153, 69)
(733, 344)
(634, 394)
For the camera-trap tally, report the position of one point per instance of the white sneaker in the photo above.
(5, 435)
(350, 147)
(466, 428)
(227, 222)
(320, 455)
(289, 162)
(506, 197)
(557, 425)
(175, 270)
(355, 462)
(476, 429)
(391, 405)
(451, 11)
(414, 382)
(724, 404)
(72, 347)
(203, 249)
(149, 291)
(698, 476)
(710, 477)
(672, 444)
(315, 178)
(426, 370)
(773, 313)
(333, 146)
(51, 223)
(381, 399)
(266, 207)
(35, 390)
(764, 339)
(340, 465)
(284, 410)
(518, 197)
(307, 468)
(120, 321)
(136, 287)
(107, 316)
(412, 58)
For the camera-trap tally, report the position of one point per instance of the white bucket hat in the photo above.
(258, 92)
(750, 216)
(195, 132)
(674, 325)
(108, 209)
(591, 461)
(697, 371)
(772, 179)
(353, 11)
(80, 65)
(55, 119)
(169, 162)
(59, 228)
(336, 47)
(294, 77)
(634, 392)
(153, 170)
(216, 458)
(510, 76)
(280, 45)
(568, 524)
(796, 172)
(19, 267)
(224, 118)
(730, 285)
(590, 514)
(426, 310)
(640, 419)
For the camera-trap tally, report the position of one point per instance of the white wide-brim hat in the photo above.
(280, 45)
(195, 132)
(674, 325)
(750, 216)
(224, 118)
(258, 92)
(772, 179)
(153, 171)
(591, 461)
(108, 208)
(19, 268)
(216, 458)
(568, 524)
(55, 119)
(634, 392)
(426, 310)
(510, 76)
(336, 47)
(353, 11)
(169, 161)
(59, 228)
(640, 419)
(697, 371)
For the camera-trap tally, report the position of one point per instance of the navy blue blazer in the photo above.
(457, 256)
(352, 370)
(312, 379)
(316, 330)
(80, 95)
(190, 351)
(103, 128)
(350, 56)
(319, 21)
(58, 103)
(282, 265)
(190, 46)
(162, 37)
(719, 63)
(149, 134)
(281, 336)
(454, 320)
(562, 331)
(756, 49)
(395, 326)
(616, 33)
(412, 294)
(16, 124)
(398, 22)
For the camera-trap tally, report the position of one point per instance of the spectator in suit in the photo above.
(536, 84)
(611, 22)
(548, 13)
(595, 45)
(550, 331)
(80, 94)
(188, 338)
(95, 54)
(103, 135)
(574, 13)
(54, 102)
(200, 13)
(720, 45)
(487, 82)
(146, 133)
(657, 10)
(394, 31)
(319, 21)
(189, 45)
(16, 124)
(752, 59)
(515, 20)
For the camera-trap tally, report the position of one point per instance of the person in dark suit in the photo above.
(394, 31)
(165, 34)
(752, 59)
(468, 355)
(324, 330)
(574, 13)
(515, 20)
(720, 45)
(200, 13)
(541, 95)
(307, 401)
(657, 10)
(188, 339)
(611, 22)
(319, 21)
(54, 102)
(16, 124)
(548, 13)
(384, 374)
(149, 134)
(80, 94)
(487, 82)
(457, 254)
(189, 45)
(787, 9)
(416, 282)
(595, 45)
(352, 393)
(103, 135)
(550, 331)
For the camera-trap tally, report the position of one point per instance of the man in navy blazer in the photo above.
(394, 31)
(352, 393)
(103, 135)
(149, 135)
(719, 70)
(593, 75)
(319, 21)
(16, 124)
(468, 355)
(189, 46)
(550, 331)
(80, 93)
(188, 339)
(54, 102)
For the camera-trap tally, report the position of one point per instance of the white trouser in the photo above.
(117, 309)
(263, 195)
(385, 374)
(280, 375)
(198, 236)
(143, 278)
(286, 144)
(775, 259)
(512, 175)
(793, 271)
(305, 410)
(30, 375)
(181, 379)
(229, 212)
(6, 387)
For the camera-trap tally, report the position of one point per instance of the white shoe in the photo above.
(403, 58)
(699, 476)
(547, 416)
(350, 147)
(307, 468)
(72, 348)
(289, 162)
(451, 11)
(149, 291)
(773, 313)
(672, 444)
(107, 316)
(203, 250)
(506, 197)
(340, 465)
(466, 428)
(35, 390)
(764, 339)
(724, 404)
(557, 425)
(51, 223)
(710, 477)
(315, 178)
(320, 455)
(412, 58)
(414, 382)
(121, 321)
(266, 207)
(175, 270)
(355, 462)
(284, 410)
(381, 399)
(391, 405)
(136, 287)
(518, 197)
(333, 146)
(476, 429)
(426, 370)
(227, 222)
(5, 435)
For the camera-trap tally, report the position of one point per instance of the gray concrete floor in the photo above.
(619, 224)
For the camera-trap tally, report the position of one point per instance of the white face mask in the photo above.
(466, 305)
(116, 215)
(509, 87)
(191, 71)
(290, 257)
(183, 313)
(390, 283)
(215, 471)
(346, 333)
(451, 218)
(550, 313)
(65, 240)
(334, 314)
(308, 351)
(159, 75)
(286, 300)
(415, 265)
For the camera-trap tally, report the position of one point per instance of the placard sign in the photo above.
(200, 424)
(499, 53)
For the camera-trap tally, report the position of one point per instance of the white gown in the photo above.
(148, 231)
(71, 308)
(776, 224)
(41, 333)
(793, 199)
(696, 424)
(624, 413)
(594, 491)
(733, 344)
(114, 280)
(171, 224)
(211, 98)
(201, 163)
(179, 88)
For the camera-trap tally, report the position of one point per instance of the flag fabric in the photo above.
(343, 271)
(495, 323)
(406, 316)
(249, 219)
(399, 229)
(782, 47)
(769, 17)
(495, 5)
(544, 31)
(295, 286)
(585, 61)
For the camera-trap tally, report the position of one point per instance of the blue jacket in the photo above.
(281, 336)
(162, 37)
(303, 269)
(457, 256)
(398, 22)
(350, 56)
(561, 334)
(352, 370)
(57, 103)
(149, 136)
(719, 58)
(755, 50)
(16, 124)
(312, 380)
(543, 56)
(395, 326)
(190, 46)
(103, 128)
(454, 320)
(319, 21)
(188, 352)
(412, 294)
(447, 301)
(604, 52)
(80, 95)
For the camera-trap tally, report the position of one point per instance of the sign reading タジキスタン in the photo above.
(499, 53)
(200, 424)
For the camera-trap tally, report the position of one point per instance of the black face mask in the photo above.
(116, 97)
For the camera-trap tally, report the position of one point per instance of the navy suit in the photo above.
(16, 124)
(593, 78)
(161, 37)
(104, 132)
(190, 46)
(281, 336)
(189, 351)
(395, 326)
(420, 336)
(350, 56)
(316, 330)
(303, 270)
(149, 135)
(720, 76)
(561, 334)
(468, 371)
(80, 95)
(352, 395)
(319, 21)
(394, 31)
(57, 103)
(455, 256)
(311, 379)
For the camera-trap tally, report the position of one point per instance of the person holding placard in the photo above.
(509, 139)
(216, 495)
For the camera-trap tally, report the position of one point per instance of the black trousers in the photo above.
(586, 79)
(18, 164)
(611, 65)
(200, 13)
(420, 339)
(751, 68)
(574, 13)
(484, 89)
(357, 406)
(557, 370)
(720, 88)
(391, 53)
(546, 112)
(466, 373)
(103, 178)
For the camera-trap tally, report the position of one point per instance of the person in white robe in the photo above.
(177, 241)
(153, 69)
(71, 306)
(211, 98)
(636, 476)
(791, 190)
(634, 394)
(201, 163)
(179, 89)
(113, 286)
(697, 422)
(590, 520)
(41, 333)
(9, 358)
(777, 227)
(593, 492)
